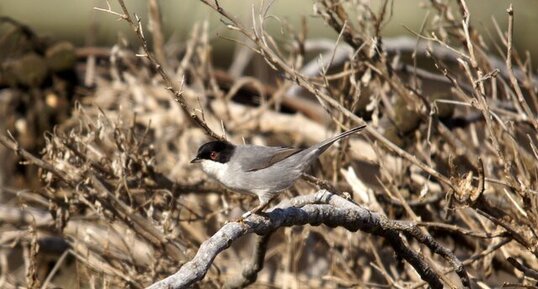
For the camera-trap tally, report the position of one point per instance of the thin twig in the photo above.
(513, 80)
(173, 86)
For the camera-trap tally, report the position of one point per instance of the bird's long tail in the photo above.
(327, 143)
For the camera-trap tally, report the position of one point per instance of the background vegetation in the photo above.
(101, 116)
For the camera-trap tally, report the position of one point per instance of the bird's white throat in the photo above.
(214, 169)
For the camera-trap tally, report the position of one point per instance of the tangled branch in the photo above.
(325, 208)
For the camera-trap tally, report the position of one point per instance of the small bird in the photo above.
(261, 170)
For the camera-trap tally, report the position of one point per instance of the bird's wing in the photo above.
(254, 158)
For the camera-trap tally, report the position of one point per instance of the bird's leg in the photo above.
(256, 210)
(264, 202)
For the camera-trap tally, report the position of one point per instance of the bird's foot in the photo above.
(258, 211)
(241, 219)
(248, 214)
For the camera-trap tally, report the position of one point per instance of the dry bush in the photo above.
(450, 152)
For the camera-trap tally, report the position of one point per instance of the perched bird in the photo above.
(261, 170)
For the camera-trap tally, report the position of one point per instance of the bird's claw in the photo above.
(243, 217)
(240, 220)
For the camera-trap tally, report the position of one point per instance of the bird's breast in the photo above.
(228, 175)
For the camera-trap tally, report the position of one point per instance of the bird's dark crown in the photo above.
(218, 151)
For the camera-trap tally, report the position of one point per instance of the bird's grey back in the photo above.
(272, 169)
(251, 162)
(253, 158)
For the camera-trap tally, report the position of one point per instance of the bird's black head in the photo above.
(218, 151)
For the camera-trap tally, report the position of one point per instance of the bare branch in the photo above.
(526, 270)
(172, 86)
(322, 207)
(251, 270)
(513, 80)
(13, 145)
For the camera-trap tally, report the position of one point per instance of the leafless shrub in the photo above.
(446, 176)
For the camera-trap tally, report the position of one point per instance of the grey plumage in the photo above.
(264, 171)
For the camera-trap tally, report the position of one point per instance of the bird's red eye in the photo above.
(213, 155)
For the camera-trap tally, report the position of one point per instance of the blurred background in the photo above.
(73, 20)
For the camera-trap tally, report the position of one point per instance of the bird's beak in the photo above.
(196, 160)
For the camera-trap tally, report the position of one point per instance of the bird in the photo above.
(261, 170)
